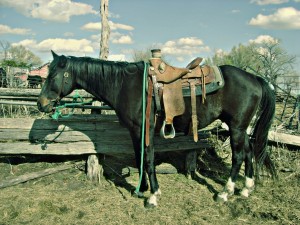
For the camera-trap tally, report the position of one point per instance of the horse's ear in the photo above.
(62, 61)
(54, 54)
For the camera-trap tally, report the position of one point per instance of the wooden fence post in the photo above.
(93, 167)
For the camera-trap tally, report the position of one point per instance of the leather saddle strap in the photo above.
(148, 112)
(194, 110)
(156, 93)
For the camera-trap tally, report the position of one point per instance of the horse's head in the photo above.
(59, 83)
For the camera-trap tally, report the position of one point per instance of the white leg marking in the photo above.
(228, 191)
(153, 198)
(229, 187)
(249, 187)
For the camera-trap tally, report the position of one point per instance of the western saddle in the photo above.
(168, 82)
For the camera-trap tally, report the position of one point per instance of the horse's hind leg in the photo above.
(239, 142)
(249, 182)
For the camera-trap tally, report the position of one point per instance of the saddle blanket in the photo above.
(215, 85)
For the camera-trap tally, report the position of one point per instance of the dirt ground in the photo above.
(69, 198)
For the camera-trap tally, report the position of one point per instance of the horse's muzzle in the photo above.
(45, 105)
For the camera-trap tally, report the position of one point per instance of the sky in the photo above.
(183, 29)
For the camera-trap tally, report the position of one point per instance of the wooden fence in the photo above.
(84, 134)
(76, 135)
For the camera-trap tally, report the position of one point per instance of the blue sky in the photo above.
(182, 29)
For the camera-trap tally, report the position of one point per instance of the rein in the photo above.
(137, 190)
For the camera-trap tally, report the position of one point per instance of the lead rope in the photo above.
(75, 103)
(137, 189)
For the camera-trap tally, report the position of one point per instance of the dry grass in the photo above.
(68, 198)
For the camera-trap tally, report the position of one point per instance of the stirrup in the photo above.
(171, 134)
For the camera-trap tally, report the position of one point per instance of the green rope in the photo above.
(143, 130)
(75, 102)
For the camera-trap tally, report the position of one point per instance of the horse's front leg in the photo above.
(137, 150)
(150, 168)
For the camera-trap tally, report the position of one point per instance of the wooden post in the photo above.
(105, 30)
(93, 166)
(94, 169)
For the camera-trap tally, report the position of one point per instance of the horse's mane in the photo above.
(108, 72)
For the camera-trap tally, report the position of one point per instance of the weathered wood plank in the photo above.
(284, 138)
(76, 135)
(27, 92)
(104, 147)
(34, 175)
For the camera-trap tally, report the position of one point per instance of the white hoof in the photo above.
(222, 197)
(245, 192)
(152, 201)
(249, 187)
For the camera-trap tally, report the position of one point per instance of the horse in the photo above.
(120, 85)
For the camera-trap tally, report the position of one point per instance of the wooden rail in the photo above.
(79, 134)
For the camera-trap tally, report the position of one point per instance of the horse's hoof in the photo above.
(222, 197)
(138, 194)
(150, 205)
(246, 192)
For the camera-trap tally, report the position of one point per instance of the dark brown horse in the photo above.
(120, 85)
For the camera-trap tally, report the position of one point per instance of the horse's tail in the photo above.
(259, 136)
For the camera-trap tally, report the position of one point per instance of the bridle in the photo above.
(64, 81)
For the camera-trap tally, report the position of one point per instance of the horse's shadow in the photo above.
(45, 135)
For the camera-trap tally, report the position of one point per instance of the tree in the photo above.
(23, 57)
(5, 45)
(273, 61)
(267, 59)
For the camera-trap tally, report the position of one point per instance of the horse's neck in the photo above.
(103, 90)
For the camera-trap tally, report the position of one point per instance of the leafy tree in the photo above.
(273, 61)
(267, 59)
(24, 57)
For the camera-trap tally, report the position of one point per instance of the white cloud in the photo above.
(263, 38)
(68, 34)
(27, 43)
(59, 45)
(190, 41)
(184, 46)
(116, 26)
(269, 2)
(8, 30)
(283, 18)
(124, 39)
(92, 26)
(66, 45)
(119, 57)
(54, 10)
(113, 26)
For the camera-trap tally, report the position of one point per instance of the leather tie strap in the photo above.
(194, 110)
(148, 112)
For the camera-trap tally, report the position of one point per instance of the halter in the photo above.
(64, 80)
